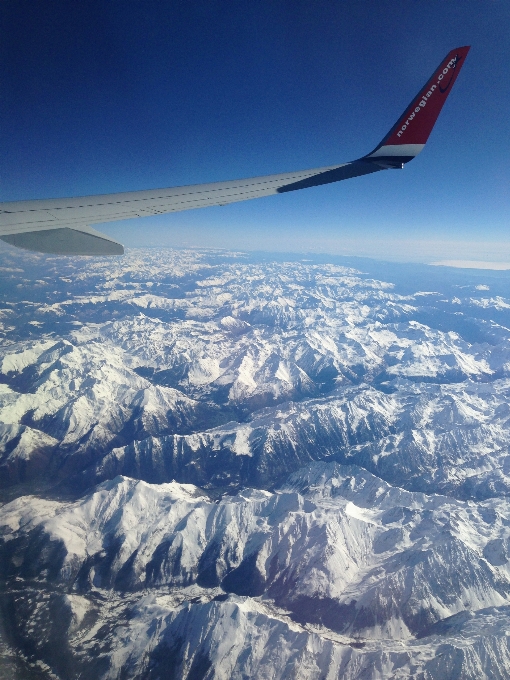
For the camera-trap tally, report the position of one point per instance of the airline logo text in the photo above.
(423, 103)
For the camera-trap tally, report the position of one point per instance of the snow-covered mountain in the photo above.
(218, 466)
(336, 566)
(60, 403)
(436, 438)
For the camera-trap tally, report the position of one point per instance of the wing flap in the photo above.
(65, 241)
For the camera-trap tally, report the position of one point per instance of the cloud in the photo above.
(473, 264)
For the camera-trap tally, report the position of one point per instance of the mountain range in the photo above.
(224, 465)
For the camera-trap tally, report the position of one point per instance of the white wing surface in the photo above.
(63, 225)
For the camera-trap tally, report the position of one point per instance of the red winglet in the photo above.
(416, 123)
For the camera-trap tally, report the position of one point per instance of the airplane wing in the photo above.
(62, 225)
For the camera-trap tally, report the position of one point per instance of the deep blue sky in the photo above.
(116, 95)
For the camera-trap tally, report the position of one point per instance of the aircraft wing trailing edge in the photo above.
(62, 225)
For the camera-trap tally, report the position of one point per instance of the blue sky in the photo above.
(118, 95)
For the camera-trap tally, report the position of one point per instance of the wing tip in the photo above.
(411, 131)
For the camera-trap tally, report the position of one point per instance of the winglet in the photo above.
(408, 136)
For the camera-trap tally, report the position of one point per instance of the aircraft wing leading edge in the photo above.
(62, 225)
